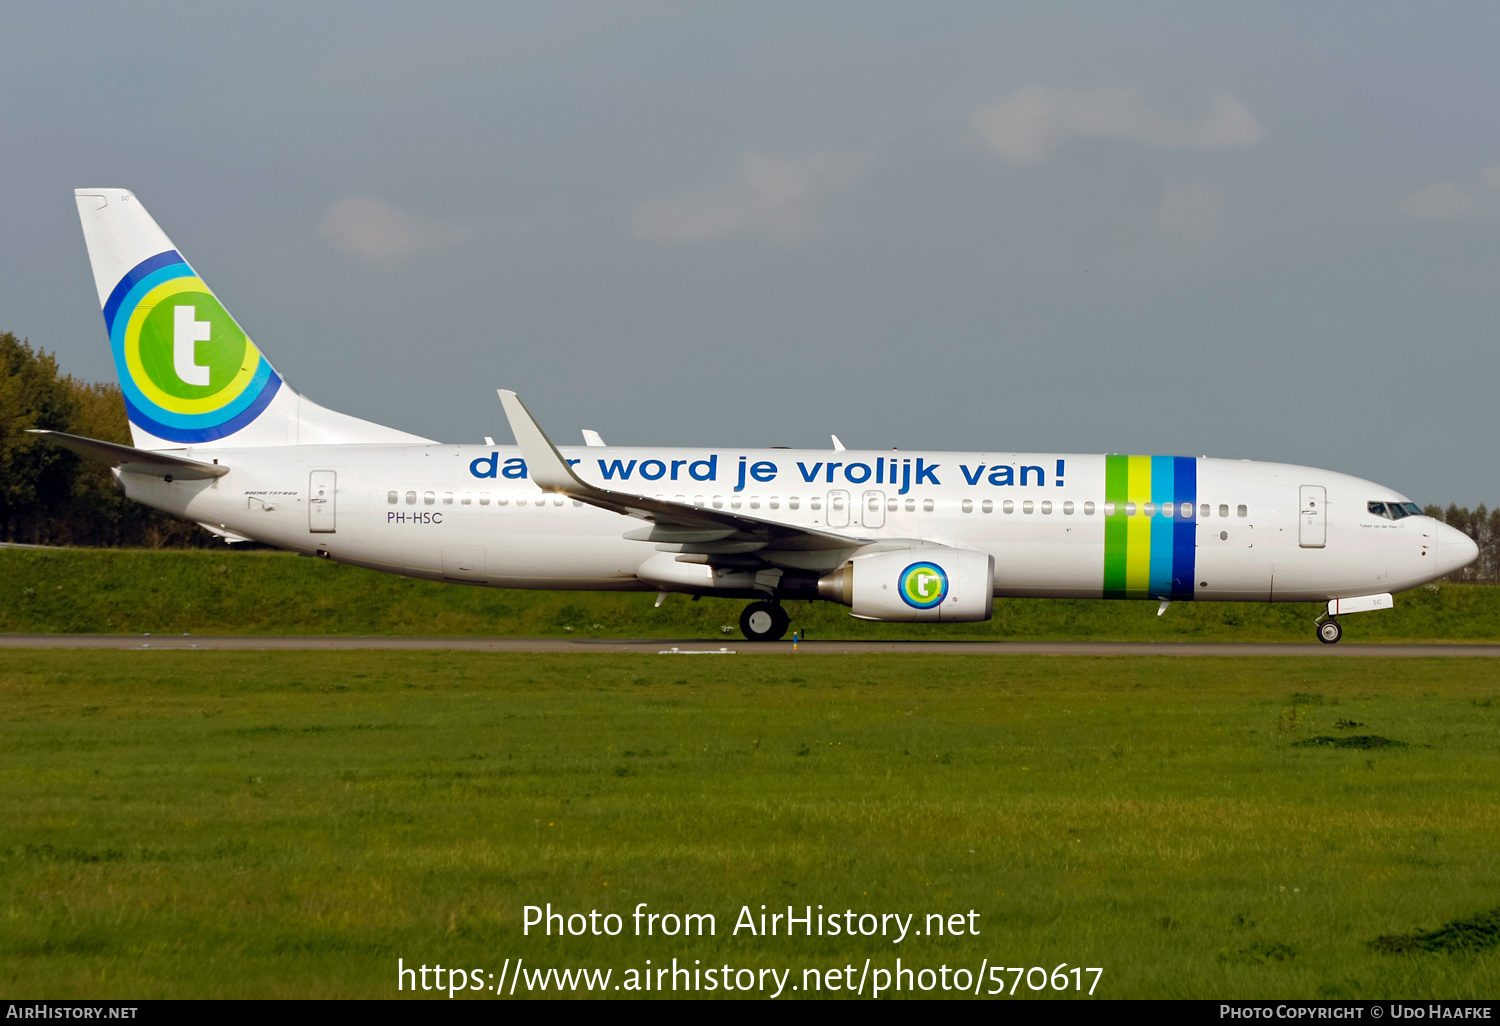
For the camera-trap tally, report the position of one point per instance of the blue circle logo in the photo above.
(923, 585)
(187, 370)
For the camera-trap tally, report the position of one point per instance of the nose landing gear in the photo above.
(1329, 631)
(764, 621)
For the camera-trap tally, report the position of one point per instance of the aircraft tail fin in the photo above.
(190, 374)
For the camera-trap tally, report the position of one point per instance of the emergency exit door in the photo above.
(838, 508)
(1312, 532)
(322, 491)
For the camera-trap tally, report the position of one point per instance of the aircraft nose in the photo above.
(1455, 550)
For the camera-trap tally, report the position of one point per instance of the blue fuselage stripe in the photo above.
(1184, 529)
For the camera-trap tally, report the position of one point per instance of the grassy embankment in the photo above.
(289, 824)
(132, 591)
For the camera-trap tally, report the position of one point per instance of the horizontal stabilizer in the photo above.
(135, 461)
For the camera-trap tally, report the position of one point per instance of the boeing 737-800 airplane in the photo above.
(221, 439)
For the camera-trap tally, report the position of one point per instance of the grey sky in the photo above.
(1269, 232)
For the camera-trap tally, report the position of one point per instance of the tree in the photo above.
(50, 496)
(34, 476)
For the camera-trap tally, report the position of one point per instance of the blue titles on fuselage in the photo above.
(893, 470)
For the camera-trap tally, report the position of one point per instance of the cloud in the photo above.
(1446, 201)
(1191, 210)
(1029, 123)
(370, 228)
(776, 197)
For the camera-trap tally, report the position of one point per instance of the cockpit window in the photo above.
(1378, 508)
(1395, 510)
(1412, 508)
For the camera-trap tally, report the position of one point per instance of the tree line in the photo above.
(50, 496)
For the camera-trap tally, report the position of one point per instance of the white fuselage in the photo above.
(1242, 531)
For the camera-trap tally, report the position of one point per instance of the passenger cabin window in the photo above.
(1109, 509)
(411, 498)
(793, 502)
(1067, 509)
(1187, 511)
(926, 505)
(1167, 509)
(391, 497)
(718, 502)
(428, 498)
(1130, 509)
(911, 505)
(1242, 511)
(775, 502)
(468, 498)
(447, 498)
(891, 505)
(1046, 509)
(1028, 507)
(1150, 510)
(1205, 510)
(987, 506)
(968, 505)
(755, 502)
(1088, 509)
(484, 498)
(1223, 509)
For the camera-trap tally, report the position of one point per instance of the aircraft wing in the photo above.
(696, 528)
(135, 461)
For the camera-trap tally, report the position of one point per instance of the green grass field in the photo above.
(290, 824)
(94, 591)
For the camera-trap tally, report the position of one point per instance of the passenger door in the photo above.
(322, 500)
(1312, 530)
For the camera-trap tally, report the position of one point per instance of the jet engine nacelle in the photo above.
(928, 583)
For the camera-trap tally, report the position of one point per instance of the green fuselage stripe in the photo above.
(1116, 525)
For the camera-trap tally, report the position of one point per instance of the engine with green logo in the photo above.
(937, 583)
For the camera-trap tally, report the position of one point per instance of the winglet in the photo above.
(544, 463)
(838, 446)
(592, 437)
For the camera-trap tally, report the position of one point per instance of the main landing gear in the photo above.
(764, 621)
(1329, 631)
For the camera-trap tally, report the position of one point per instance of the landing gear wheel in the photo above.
(1329, 632)
(764, 621)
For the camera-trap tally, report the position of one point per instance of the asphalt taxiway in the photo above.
(734, 646)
